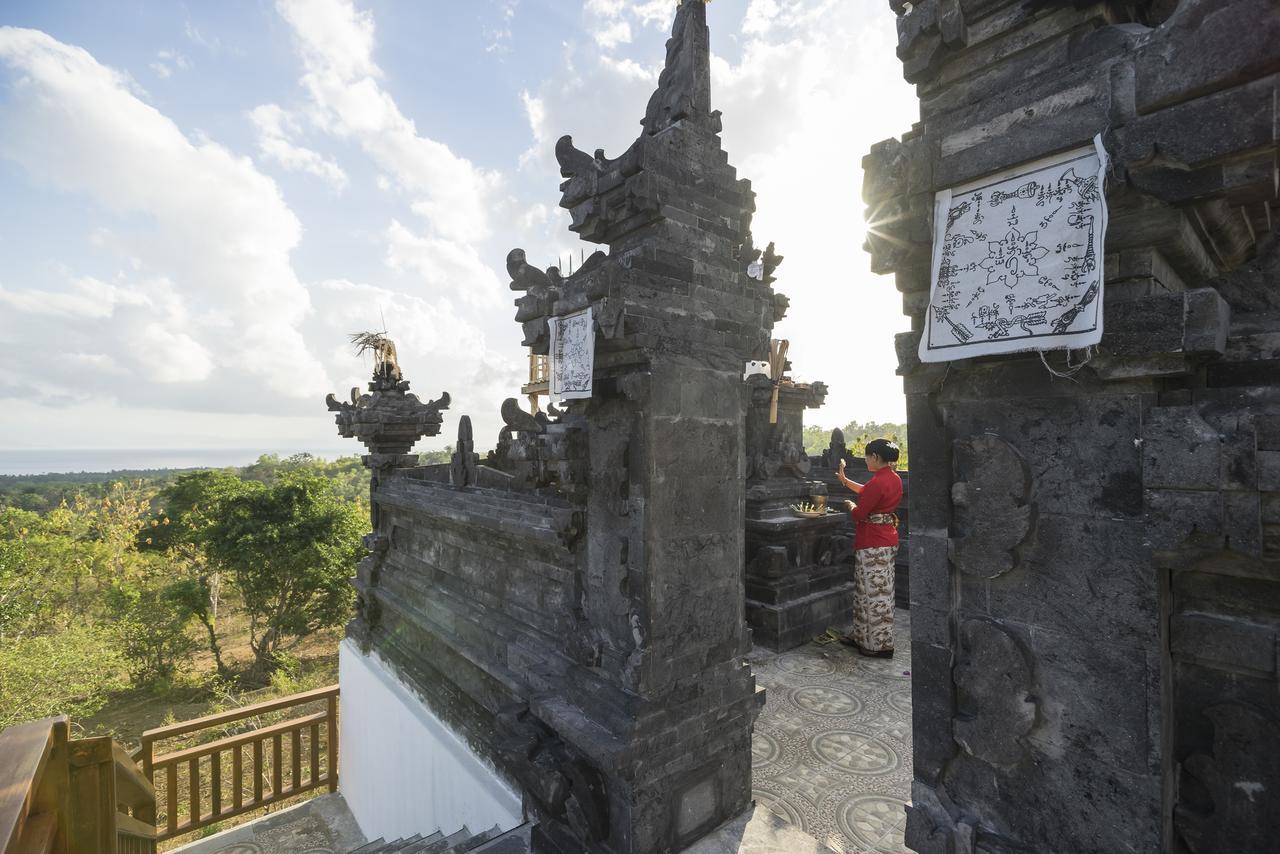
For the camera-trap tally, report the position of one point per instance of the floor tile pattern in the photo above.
(832, 748)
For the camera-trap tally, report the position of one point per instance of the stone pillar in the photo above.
(1094, 583)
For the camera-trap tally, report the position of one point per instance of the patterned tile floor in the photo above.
(832, 748)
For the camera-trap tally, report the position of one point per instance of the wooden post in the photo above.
(333, 742)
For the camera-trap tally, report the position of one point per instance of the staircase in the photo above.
(491, 841)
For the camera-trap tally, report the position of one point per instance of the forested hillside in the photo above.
(172, 588)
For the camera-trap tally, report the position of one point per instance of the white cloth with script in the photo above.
(573, 355)
(1017, 260)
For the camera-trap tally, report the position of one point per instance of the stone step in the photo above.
(491, 841)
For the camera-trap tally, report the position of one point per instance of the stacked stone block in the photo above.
(1095, 559)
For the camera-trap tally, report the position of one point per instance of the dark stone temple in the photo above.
(798, 578)
(572, 607)
(1095, 559)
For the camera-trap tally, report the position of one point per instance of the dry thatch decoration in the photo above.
(385, 363)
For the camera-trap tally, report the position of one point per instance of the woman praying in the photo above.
(875, 548)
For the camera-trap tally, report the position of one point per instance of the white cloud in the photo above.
(211, 234)
(336, 42)
(613, 34)
(275, 127)
(448, 268)
(166, 61)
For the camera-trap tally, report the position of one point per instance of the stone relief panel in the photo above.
(1228, 800)
(995, 703)
(993, 510)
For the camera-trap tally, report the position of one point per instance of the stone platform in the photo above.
(832, 748)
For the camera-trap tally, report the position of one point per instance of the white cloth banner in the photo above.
(1018, 260)
(573, 355)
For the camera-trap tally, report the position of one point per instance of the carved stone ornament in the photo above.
(993, 514)
(1231, 802)
(389, 420)
(995, 707)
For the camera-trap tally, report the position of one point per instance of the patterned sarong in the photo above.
(873, 598)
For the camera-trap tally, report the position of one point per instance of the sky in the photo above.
(199, 202)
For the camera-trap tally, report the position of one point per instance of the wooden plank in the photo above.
(215, 783)
(239, 714)
(134, 827)
(24, 752)
(315, 752)
(132, 787)
(171, 799)
(201, 750)
(237, 774)
(332, 747)
(295, 756)
(193, 788)
(38, 833)
(257, 771)
(277, 760)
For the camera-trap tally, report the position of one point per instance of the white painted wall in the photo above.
(402, 771)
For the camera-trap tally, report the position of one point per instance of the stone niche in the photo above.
(1096, 558)
(571, 607)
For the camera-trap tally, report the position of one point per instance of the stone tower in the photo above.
(571, 609)
(1095, 559)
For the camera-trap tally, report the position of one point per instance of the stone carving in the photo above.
(684, 90)
(388, 420)
(991, 494)
(464, 467)
(565, 787)
(518, 420)
(836, 450)
(1230, 803)
(994, 705)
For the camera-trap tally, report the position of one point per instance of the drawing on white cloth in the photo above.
(1017, 260)
(573, 350)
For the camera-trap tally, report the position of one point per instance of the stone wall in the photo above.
(1096, 559)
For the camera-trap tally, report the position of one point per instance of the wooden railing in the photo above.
(183, 786)
(66, 796)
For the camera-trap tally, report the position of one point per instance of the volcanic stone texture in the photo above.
(582, 625)
(1096, 560)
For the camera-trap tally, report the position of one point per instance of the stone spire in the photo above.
(684, 89)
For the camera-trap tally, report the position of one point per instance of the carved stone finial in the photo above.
(388, 420)
(464, 466)
(684, 88)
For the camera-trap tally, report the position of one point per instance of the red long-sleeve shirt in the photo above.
(881, 494)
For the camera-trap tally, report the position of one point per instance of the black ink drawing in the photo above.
(572, 355)
(1031, 282)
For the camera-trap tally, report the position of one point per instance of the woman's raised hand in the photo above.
(842, 466)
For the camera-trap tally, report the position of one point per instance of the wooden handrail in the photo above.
(230, 741)
(64, 796)
(132, 788)
(208, 721)
(265, 777)
(25, 751)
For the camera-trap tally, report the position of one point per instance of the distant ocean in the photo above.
(118, 459)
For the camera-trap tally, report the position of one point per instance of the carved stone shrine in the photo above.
(798, 579)
(565, 618)
(1095, 536)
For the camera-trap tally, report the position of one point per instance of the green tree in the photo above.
(190, 505)
(151, 620)
(290, 548)
(72, 673)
